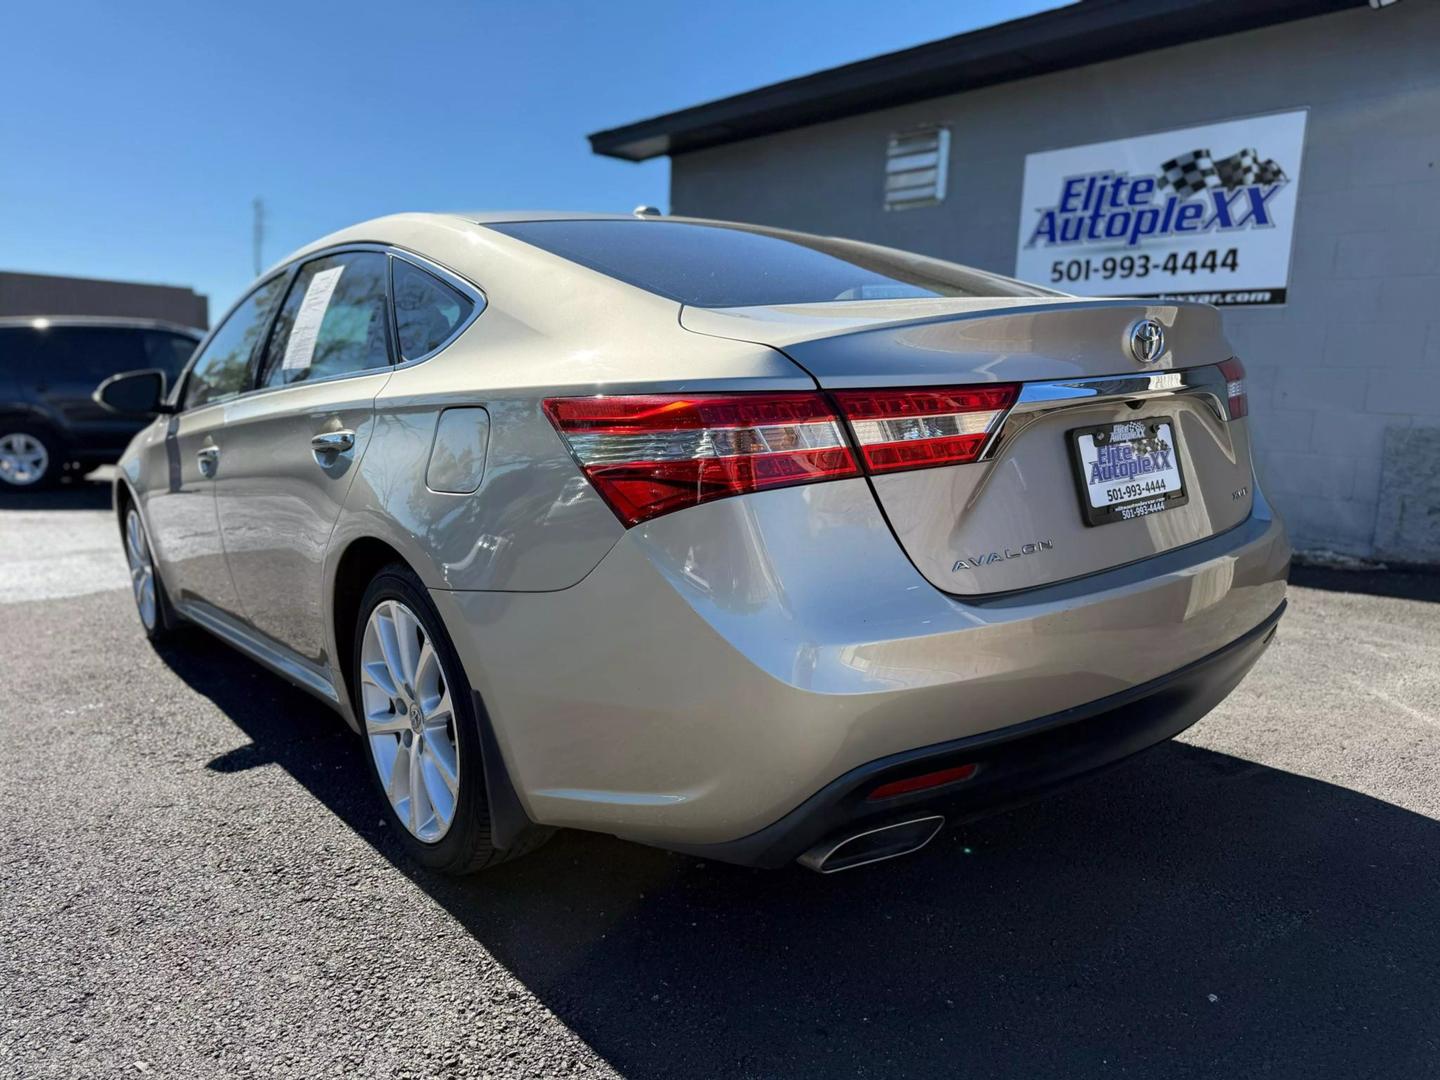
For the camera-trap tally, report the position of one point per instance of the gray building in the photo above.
(927, 149)
(45, 294)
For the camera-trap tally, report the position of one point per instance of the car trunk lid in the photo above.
(1021, 516)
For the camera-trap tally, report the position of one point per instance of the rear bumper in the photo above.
(1014, 764)
(722, 665)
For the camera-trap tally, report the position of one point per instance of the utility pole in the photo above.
(259, 232)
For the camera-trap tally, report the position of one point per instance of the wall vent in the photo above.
(915, 166)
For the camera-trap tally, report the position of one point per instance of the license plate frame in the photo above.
(1145, 503)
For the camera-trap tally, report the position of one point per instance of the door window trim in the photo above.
(289, 270)
(478, 302)
(177, 392)
(392, 348)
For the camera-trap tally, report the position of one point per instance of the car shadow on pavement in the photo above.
(1189, 914)
(69, 494)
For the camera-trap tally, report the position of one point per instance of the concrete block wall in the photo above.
(1343, 370)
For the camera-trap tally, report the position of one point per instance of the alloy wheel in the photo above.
(142, 569)
(409, 720)
(24, 460)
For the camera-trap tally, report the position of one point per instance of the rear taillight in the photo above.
(651, 454)
(916, 429)
(1234, 372)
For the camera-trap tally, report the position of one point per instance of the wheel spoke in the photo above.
(386, 632)
(405, 698)
(438, 793)
(377, 674)
(419, 798)
(386, 723)
(438, 713)
(441, 754)
(407, 645)
(427, 672)
(399, 773)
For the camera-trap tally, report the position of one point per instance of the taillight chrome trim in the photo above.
(934, 426)
(1038, 399)
(693, 444)
(899, 429)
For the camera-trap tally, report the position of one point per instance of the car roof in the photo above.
(114, 322)
(495, 217)
(431, 233)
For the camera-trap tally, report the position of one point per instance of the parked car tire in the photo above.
(158, 616)
(422, 735)
(30, 457)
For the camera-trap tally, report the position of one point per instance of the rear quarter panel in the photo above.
(549, 328)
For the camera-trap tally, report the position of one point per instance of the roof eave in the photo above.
(1066, 37)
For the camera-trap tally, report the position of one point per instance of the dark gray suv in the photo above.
(49, 369)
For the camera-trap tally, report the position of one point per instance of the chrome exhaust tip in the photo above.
(872, 845)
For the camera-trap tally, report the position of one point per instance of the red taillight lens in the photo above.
(923, 782)
(915, 429)
(648, 455)
(1234, 372)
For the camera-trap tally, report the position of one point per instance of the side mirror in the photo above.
(134, 393)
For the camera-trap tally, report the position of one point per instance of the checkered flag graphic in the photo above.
(1239, 169)
(1269, 172)
(1244, 168)
(1189, 174)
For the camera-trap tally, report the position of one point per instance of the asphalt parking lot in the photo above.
(197, 883)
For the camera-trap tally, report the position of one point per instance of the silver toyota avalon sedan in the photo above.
(741, 542)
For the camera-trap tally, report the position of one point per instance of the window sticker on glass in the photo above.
(300, 349)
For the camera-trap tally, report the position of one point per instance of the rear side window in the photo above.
(168, 352)
(223, 369)
(743, 266)
(427, 311)
(20, 355)
(333, 321)
(16, 348)
(85, 354)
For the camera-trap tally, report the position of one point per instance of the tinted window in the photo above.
(15, 349)
(333, 321)
(427, 311)
(86, 354)
(168, 352)
(739, 266)
(223, 369)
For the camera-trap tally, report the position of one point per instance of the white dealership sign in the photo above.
(1202, 212)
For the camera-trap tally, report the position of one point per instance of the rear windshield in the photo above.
(741, 266)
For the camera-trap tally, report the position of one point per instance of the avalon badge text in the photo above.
(999, 556)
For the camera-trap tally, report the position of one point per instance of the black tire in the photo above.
(51, 446)
(466, 846)
(167, 620)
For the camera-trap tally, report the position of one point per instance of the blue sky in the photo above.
(135, 135)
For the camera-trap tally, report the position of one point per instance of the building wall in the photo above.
(43, 294)
(1342, 374)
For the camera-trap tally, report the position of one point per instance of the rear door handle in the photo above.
(329, 443)
(209, 458)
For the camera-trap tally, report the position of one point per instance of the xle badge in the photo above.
(977, 561)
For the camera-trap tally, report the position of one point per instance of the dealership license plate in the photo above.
(1127, 470)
